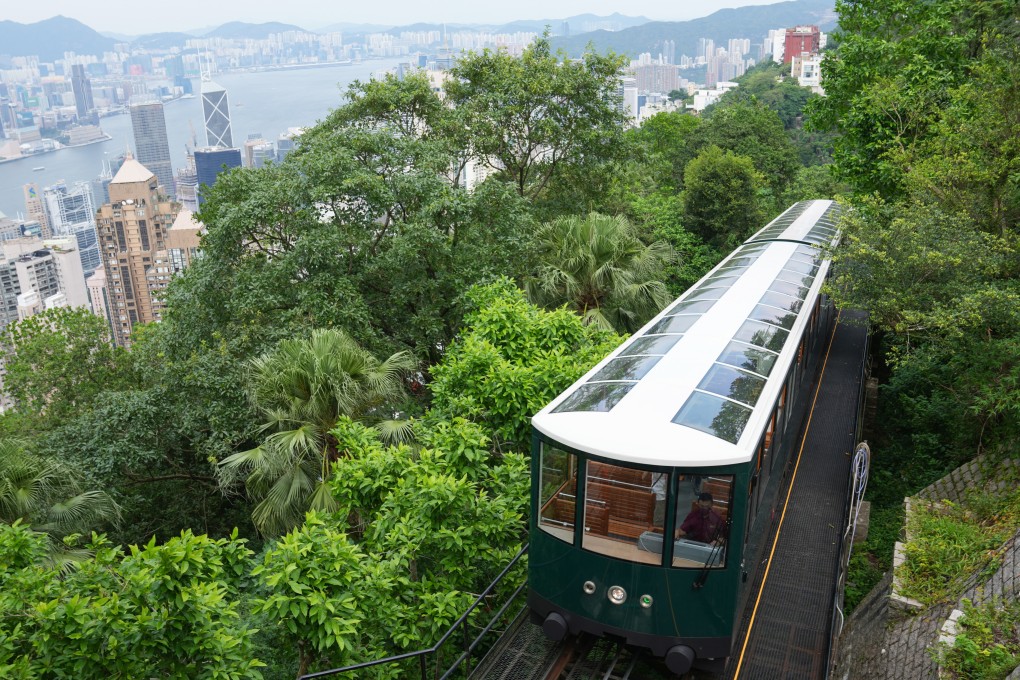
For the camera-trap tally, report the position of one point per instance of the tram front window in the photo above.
(623, 515)
(702, 520)
(557, 492)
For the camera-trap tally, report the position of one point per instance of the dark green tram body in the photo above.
(687, 431)
(694, 607)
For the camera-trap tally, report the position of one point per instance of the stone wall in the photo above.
(885, 640)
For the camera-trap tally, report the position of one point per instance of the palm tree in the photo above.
(302, 388)
(45, 495)
(598, 267)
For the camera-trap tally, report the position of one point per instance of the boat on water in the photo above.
(38, 168)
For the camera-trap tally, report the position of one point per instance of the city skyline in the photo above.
(121, 16)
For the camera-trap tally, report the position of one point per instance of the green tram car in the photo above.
(696, 406)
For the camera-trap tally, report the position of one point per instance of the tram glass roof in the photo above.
(745, 310)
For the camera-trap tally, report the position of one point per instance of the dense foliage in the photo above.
(924, 98)
(407, 225)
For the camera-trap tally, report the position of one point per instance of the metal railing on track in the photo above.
(433, 654)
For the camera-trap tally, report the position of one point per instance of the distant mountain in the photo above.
(242, 30)
(349, 28)
(744, 22)
(49, 39)
(579, 23)
(161, 41)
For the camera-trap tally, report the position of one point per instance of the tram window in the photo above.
(716, 416)
(692, 306)
(802, 267)
(789, 288)
(626, 368)
(557, 492)
(674, 324)
(733, 383)
(795, 277)
(777, 317)
(762, 335)
(703, 505)
(620, 512)
(651, 344)
(745, 356)
(782, 301)
(595, 397)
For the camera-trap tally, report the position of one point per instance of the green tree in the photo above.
(754, 131)
(511, 360)
(171, 608)
(892, 78)
(597, 267)
(59, 361)
(533, 114)
(301, 389)
(720, 198)
(46, 496)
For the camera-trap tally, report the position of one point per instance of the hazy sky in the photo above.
(123, 16)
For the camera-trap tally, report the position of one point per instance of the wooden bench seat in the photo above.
(630, 510)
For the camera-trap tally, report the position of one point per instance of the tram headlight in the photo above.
(617, 595)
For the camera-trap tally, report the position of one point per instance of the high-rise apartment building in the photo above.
(217, 115)
(151, 146)
(35, 209)
(71, 213)
(800, 40)
(132, 231)
(38, 274)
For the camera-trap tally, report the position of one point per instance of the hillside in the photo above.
(744, 22)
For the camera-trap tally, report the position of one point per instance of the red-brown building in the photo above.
(800, 40)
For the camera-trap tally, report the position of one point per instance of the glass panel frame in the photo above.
(557, 492)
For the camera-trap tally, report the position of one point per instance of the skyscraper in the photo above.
(82, 88)
(217, 115)
(151, 145)
(72, 213)
(132, 229)
(210, 162)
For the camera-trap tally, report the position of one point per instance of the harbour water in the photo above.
(266, 102)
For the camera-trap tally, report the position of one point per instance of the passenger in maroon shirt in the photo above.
(702, 523)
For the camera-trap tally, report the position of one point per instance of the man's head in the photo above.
(705, 500)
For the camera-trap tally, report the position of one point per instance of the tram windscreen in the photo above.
(623, 508)
(557, 492)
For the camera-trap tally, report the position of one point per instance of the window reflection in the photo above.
(557, 492)
(594, 397)
(738, 354)
(714, 415)
(733, 383)
(702, 520)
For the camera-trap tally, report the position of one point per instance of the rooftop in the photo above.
(132, 171)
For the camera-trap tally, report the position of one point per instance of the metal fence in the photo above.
(463, 643)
